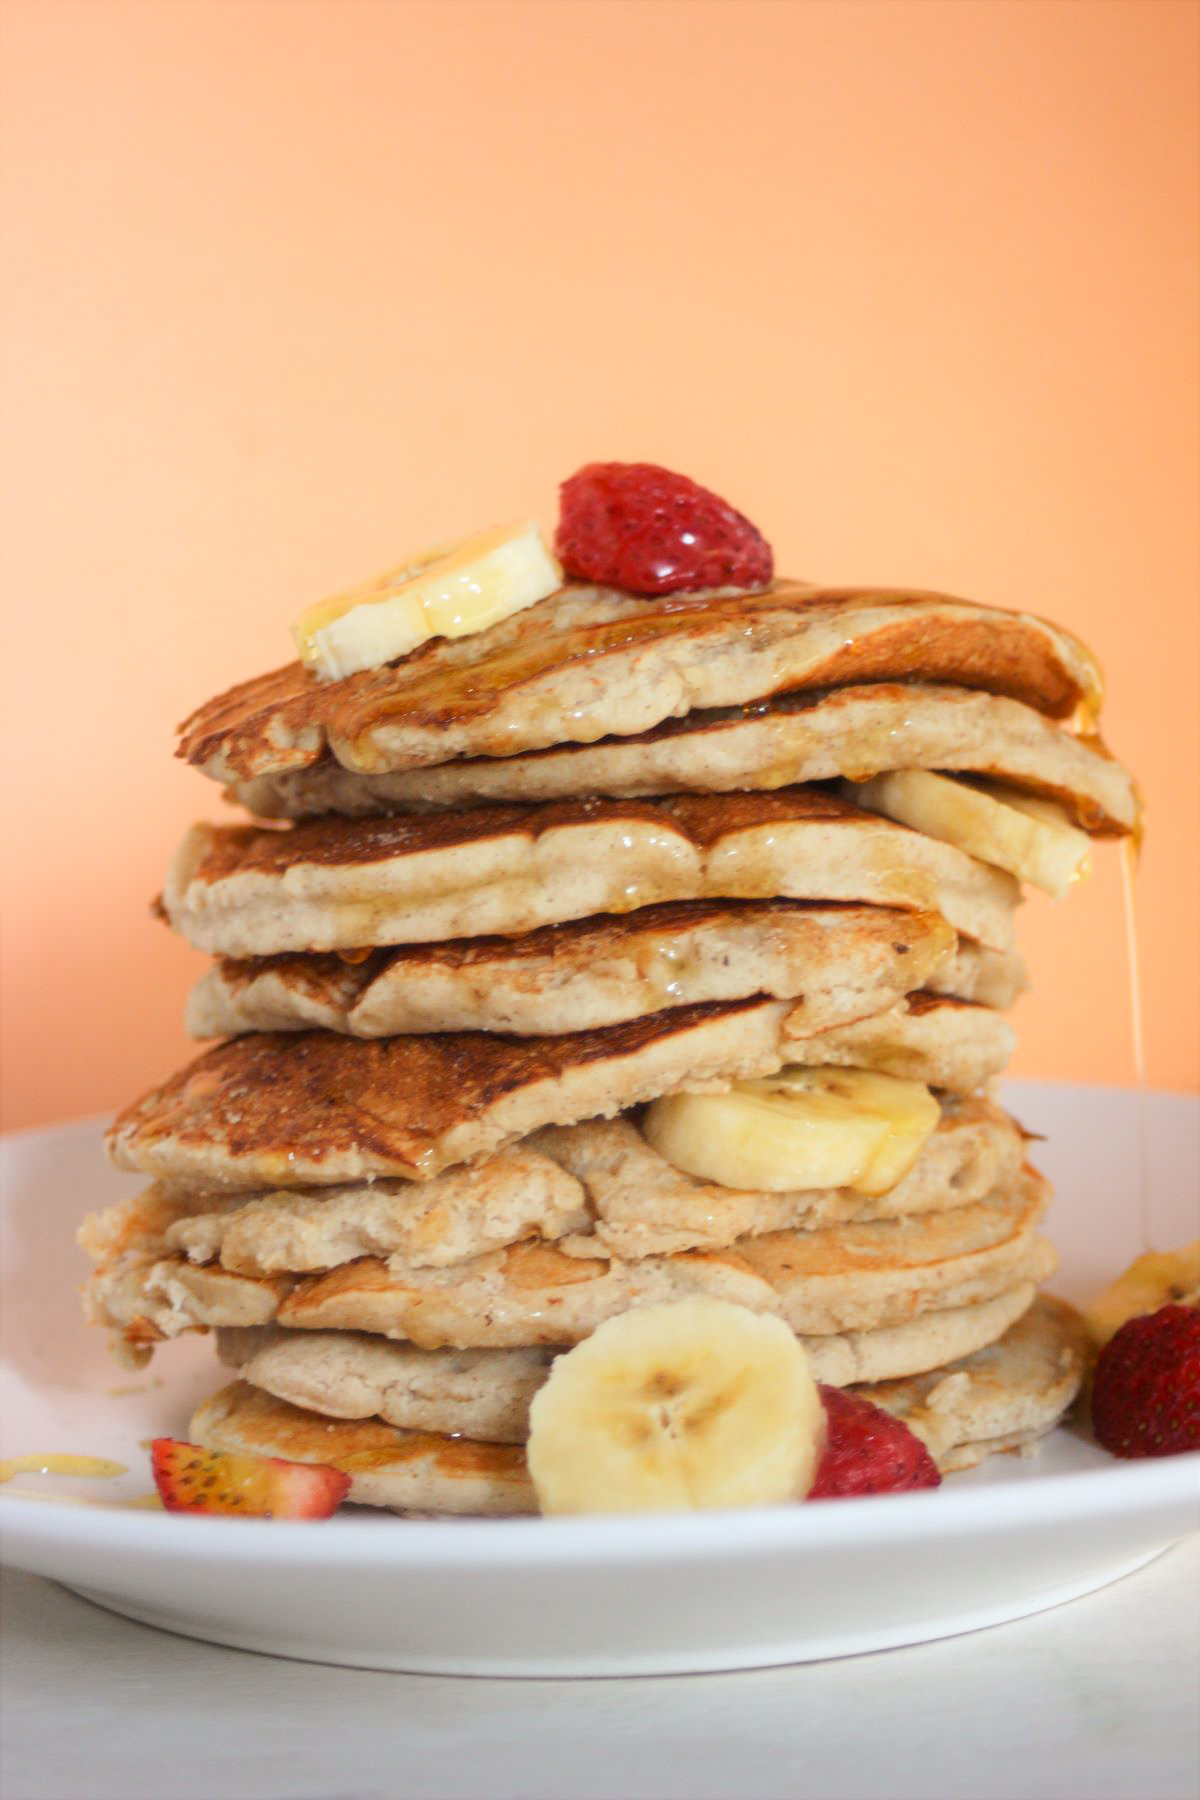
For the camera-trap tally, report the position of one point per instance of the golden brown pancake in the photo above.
(412, 1471)
(1009, 1392)
(842, 1278)
(981, 1277)
(1004, 1397)
(854, 732)
(345, 884)
(590, 662)
(292, 1109)
(482, 1394)
(518, 1193)
(600, 1188)
(935, 1038)
(834, 962)
(644, 1206)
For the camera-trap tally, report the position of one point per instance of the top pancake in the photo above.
(591, 662)
(851, 732)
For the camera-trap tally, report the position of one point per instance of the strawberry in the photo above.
(1146, 1389)
(868, 1451)
(191, 1479)
(638, 527)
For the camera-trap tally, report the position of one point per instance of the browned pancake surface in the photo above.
(448, 698)
(282, 1101)
(386, 1466)
(334, 841)
(850, 733)
(837, 960)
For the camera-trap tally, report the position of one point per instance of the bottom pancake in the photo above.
(1000, 1397)
(411, 1471)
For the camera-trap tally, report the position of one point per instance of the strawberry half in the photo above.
(867, 1451)
(638, 527)
(192, 1479)
(1146, 1389)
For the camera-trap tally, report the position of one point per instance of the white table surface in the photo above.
(1097, 1700)
(1093, 1701)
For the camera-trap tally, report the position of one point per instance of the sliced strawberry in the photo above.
(647, 530)
(868, 1451)
(192, 1479)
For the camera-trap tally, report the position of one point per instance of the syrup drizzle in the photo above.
(139, 1503)
(56, 1464)
(1128, 871)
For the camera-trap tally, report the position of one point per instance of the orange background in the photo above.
(293, 286)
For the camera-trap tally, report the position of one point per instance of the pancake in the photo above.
(855, 732)
(513, 1195)
(410, 1471)
(1016, 1387)
(346, 884)
(293, 1109)
(644, 1206)
(933, 1038)
(847, 1279)
(837, 962)
(590, 662)
(599, 1187)
(483, 1394)
(144, 1300)
(595, 972)
(1024, 1382)
(842, 1359)
(1003, 1397)
(843, 1278)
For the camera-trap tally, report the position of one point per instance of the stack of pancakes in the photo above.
(530, 881)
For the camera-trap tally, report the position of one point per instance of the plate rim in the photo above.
(1149, 1486)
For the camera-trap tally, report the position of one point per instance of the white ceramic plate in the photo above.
(585, 1597)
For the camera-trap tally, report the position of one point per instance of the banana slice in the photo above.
(1159, 1278)
(450, 592)
(823, 1127)
(695, 1404)
(1033, 839)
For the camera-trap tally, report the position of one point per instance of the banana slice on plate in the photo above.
(1033, 839)
(823, 1127)
(450, 592)
(698, 1403)
(1157, 1278)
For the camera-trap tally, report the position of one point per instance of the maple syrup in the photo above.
(57, 1464)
